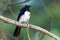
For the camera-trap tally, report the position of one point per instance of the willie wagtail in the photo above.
(23, 16)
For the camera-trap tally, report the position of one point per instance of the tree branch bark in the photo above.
(24, 25)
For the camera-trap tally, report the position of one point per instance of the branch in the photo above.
(12, 12)
(17, 3)
(37, 28)
(2, 35)
(9, 4)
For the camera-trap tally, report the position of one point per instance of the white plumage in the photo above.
(25, 17)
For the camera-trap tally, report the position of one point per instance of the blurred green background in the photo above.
(44, 13)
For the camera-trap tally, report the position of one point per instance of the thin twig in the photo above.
(37, 35)
(28, 32)
(14, 3)
(12, 12)
(3, 34)
(9, 4)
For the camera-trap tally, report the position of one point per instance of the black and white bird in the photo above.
(23, 16)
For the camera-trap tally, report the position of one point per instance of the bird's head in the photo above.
(27, 7)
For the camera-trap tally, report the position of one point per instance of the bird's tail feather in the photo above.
(17, 31)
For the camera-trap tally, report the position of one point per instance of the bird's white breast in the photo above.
(25, 17)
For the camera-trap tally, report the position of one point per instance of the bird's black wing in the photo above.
(18, 17)
(20, 14)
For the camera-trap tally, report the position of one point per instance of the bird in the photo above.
(23, 17)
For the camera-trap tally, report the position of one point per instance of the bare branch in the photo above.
(37, 28)
(9, 4)
(28, 32)
(17, 3)
(12, 12)
(2, 35)
(37, 35)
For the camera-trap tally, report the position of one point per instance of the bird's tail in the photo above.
(17, 31)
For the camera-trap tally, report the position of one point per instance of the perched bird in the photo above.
(23, 17)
